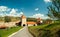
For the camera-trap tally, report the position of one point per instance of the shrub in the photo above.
(7, 19)
(18, 24)
(44, 33)
(58, 33)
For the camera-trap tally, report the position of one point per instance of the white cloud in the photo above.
(13, 11)
(9, 12)
(42, 16)
(47, 1)
(4, 8)
(36, 9)
(21, 13)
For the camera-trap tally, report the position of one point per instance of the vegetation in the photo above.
(1, 19)
(7, 19)
(32, 19)
(54, 9)
(8, 31)
(46, 30)
(12, 19)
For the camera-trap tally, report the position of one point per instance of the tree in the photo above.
(7, 19)
(54, 9)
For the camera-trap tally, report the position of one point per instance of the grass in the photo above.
(9, 31)
(34, 29)
(45, 30)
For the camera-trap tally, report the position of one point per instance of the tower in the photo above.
(23, 20)
(39, 21)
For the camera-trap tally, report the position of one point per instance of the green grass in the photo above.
(34, 29)
(7, 32)
(45, 30)
(40, 26)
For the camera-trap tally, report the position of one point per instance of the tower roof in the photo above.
(23, 16)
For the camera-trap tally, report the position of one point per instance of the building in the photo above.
(39, 21)
(48, 21)
(25, 23)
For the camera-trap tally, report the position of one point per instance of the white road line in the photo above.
(15, 32)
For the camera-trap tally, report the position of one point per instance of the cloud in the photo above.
(9, 12)
(42, 16)
(13, 11)
(47, 1)
(21, 13)
(18, 14)
(36, 9)
(4, 8)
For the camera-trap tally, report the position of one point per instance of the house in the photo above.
(39, 20)
(31, 23)
(48, 21)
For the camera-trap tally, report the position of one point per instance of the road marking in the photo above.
(16, 32)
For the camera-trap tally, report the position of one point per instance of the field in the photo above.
(46, 30)
(8, 31)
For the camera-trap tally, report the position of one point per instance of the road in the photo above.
(23, 33)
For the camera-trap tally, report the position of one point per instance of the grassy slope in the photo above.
(7, 32)
(45, 30)
(34, 29)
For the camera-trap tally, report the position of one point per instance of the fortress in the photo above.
(24, 21)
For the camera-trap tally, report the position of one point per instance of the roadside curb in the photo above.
(15, 32)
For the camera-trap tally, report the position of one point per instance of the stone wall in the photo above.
(10, 24)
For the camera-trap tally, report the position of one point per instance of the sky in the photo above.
(30, 8)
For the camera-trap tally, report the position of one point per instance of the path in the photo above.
(23, 33)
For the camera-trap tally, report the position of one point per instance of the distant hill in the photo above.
(12, 18)
(32, 19)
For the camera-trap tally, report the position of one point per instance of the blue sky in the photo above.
(29, 7)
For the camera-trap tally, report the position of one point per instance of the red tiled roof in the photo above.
(31, 23)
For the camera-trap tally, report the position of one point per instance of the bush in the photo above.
(44, 33)
(58, 33)
(18, 24)
(7, 19)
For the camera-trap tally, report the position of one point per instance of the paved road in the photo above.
(23, 33)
